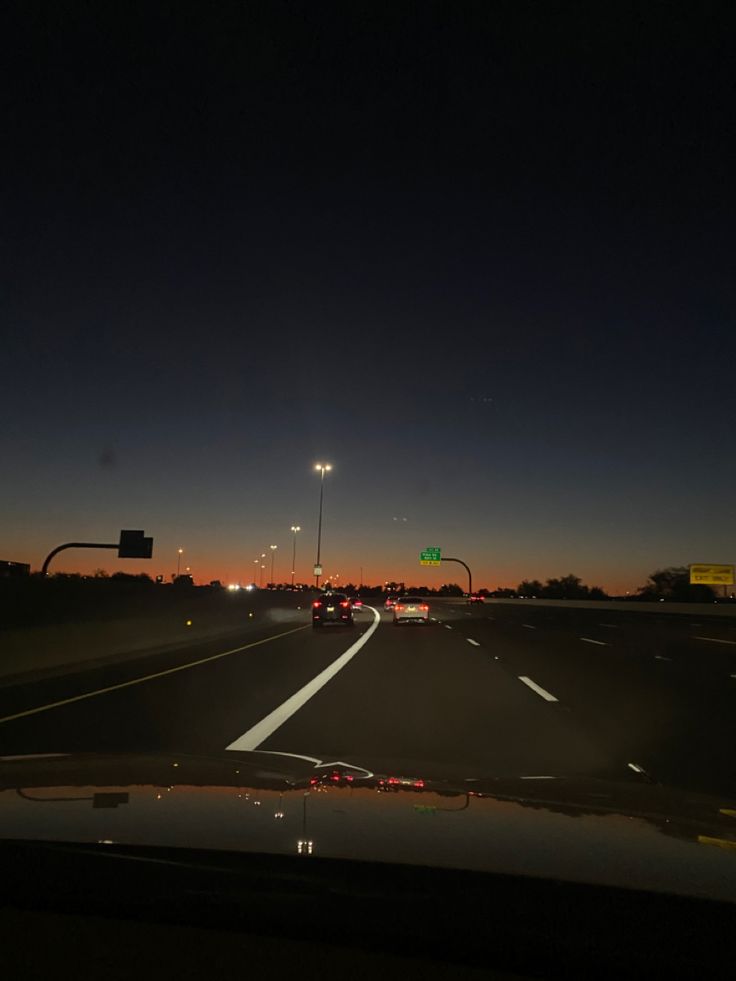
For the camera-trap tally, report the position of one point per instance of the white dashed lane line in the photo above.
(537, 688)
(589, 640)
(473, 642)
(611, 626)
(717, 640)
(529, 626)
(447, 626)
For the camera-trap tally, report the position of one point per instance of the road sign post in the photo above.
(131, 545)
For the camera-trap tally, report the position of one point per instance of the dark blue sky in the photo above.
(481, 261)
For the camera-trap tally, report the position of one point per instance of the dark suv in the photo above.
(332, 608)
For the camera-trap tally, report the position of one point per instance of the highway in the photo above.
(494, 690)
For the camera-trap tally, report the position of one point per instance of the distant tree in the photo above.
(100, 574)
(530, 588)
(568, 587)
(673, 584)
(451, 589)
(596, 593)
(503, 592)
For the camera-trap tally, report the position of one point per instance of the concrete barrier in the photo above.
(718, 609)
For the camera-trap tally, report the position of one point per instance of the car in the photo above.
(474, 598)
(332, 608)
(357, 603)
(390, 602)
(411, 608)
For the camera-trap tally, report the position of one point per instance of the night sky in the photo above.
(480, 257)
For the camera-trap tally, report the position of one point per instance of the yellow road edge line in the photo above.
(148, 677)
(719, 842)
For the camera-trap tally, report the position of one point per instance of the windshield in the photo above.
(499, 250)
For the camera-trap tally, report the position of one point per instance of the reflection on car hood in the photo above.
(628, 834)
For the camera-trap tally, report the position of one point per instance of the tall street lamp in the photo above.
(295, 529)
(323, 469)
(263, 556)
(273, 556)
(178, 560)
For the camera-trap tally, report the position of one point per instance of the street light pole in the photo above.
(273, 556)
(323, 468)
(178, 561)
(263, 556)
(295, 529)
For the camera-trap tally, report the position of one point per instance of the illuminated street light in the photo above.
(323, 469)
(295, 529)
(273, 556)
(178, 560)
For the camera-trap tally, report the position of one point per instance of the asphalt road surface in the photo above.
(494, 690)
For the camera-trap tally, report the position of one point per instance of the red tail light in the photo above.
(398, 606)
(316, 604)
(344, 603)
(424, 607)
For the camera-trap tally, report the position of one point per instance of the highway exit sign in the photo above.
(430, 556)
(711, 575)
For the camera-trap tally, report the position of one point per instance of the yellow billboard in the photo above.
(711, 575)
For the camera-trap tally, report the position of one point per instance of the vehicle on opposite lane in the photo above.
(411, 608)
(332, 608)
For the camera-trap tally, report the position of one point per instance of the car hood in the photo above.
(637, 835)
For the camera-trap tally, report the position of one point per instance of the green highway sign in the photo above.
(430, 556)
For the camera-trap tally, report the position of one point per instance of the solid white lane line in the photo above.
(589, 640)
(274, 720)
(473, 642)
(529, 626)
(537, 688)
(717, 640)
(147, 677)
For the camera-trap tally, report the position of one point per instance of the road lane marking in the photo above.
(538, 778)
(635, 767)
(589, 640)
(613, 626)
(718, 842)
(537, 688)
(447, 626)
(717, 640)
(473, 642)
(529, 626)
(490, 618)
(260, 732)
(147, 677)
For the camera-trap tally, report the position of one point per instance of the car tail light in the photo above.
(398, 606)
(424, 607)
(344, 603)
(316, 605)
